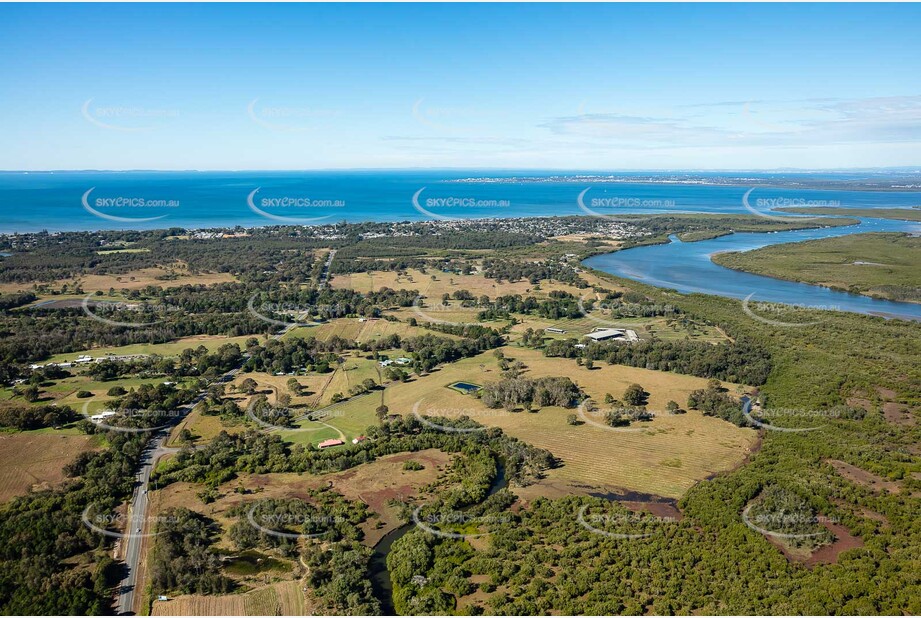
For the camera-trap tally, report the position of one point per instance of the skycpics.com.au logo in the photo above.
(278, 524)
(627, 526)
(435, 417)
(618, 419)
(269, 207)
(764, 204)
(758, 416)
(126, 118)
(130, 420)
(105, 207)
(479, 208)
(119, 526)
(606, 207)
(440, 524)
(450, 118)
(281, 418)
(429, 312)
(770, 524)
(756, 311)
(96, 309)
(303, 313)
(288, 118)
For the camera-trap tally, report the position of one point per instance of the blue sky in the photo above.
(594, 87)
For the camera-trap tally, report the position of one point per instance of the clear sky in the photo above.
(590, 87)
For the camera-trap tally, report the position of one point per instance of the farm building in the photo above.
(330, 443)
(605, 334)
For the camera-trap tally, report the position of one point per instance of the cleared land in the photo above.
(449, 283)
(883, 265)
(360, 331)
(281, 599)
(666, 458)
(172, 276)
(646, 328)
(375, 484)
(35, 459)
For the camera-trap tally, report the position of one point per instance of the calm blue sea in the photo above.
(67, 201)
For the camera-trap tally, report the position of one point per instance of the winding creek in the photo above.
(380, 577)
(687, 267)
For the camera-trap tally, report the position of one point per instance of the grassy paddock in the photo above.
(639, 461)
(35, 459)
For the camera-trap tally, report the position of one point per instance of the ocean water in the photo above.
(68, 201)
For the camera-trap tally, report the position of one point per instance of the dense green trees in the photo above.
(513, 392)
(35, 417)
(743, 361)
(43, 541)
(181, 558)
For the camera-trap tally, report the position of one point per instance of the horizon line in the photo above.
(914, 168)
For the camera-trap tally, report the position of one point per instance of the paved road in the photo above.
(138, 524)
(324, 274)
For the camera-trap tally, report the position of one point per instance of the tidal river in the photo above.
(686, 267)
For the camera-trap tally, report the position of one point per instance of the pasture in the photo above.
(435, 283)
(35, 459)
(665, 456)
(279, 599)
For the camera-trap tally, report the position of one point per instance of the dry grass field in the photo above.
(449, 283)
(35, 460)
(280, 599)
(318, 388)
(132, 280)
(664, 457)
(374, 484)
(203, 428)
(356, 330)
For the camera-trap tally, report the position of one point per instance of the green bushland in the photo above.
(884, 265)
(906, 214)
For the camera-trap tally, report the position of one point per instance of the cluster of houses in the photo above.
(81, 360)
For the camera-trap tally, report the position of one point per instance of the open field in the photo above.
(126, 250)
(320, 387)
(280, 599)
(132, 280)
(341, 421)
(442, 283)
(32, 459)
(645, 328)
(374, 483)
(64, 392)
(357, 330)
(884, 265)
(203, 428)
(665, 458)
